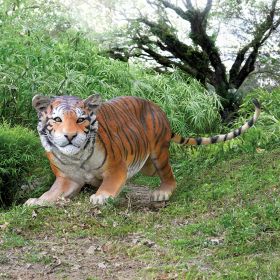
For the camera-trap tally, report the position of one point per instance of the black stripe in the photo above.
(214, 139)
(237, 132)
(61, 161)
(165, 164)
(240, 130)
(198, 140)
(107, 132)
(93, 122)
(88, 141)
(225, 138)
(161, 134)
(105, 157)
(257, 103)
(134, 108)
(182, 140)
(250, 122)
(89, 155)
(143, 114)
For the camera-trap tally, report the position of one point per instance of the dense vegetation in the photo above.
(50, 58)
(35, 58)
(222, 222)
(21, 163)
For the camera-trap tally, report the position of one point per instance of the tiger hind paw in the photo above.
(160, 195)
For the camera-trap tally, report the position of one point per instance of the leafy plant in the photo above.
(53, 61)
(22, 164)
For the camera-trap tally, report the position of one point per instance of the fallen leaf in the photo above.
(259, 150)
(4, 226)
(93, 249)
(34, 214)
(102, 265)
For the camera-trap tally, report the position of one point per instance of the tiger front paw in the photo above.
(36, 202)
(99, 199)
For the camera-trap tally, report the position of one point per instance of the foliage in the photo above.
(185, 35)
(267, 133)
(67, 63)
(22, 164)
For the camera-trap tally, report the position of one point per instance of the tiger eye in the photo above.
(80, 120)
(57, 119)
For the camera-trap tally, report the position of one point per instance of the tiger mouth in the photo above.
(69, 144)
(69, 149)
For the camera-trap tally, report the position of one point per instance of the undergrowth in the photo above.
(24, 170)
(39, 54)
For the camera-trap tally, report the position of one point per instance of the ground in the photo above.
(223, 222)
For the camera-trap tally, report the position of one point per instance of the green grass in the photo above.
(223, 222)
(38, 55)
(23, 167)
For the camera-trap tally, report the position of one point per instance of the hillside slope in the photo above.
(222, 223)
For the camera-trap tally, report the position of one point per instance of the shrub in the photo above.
(267, 131)
(34, 58)
(22, 164)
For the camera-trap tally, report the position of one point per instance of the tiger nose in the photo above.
(70, 136)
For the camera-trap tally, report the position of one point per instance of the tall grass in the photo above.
(22, 164)
(268, 126)
(37, 57)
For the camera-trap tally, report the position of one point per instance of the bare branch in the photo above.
(176, 9)
(207, 8)
(189, 4)
(262, 33)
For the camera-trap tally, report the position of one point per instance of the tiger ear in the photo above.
(40, 102)
(93, 102)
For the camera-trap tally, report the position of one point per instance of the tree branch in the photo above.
(187, 54)
(262, 33)
(177, 10)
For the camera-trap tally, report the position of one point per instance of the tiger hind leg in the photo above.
(162, 165)
(149, 168)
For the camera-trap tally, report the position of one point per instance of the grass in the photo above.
(23, 166)
(38, 55)
(221, 223)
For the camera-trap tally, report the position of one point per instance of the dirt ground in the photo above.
(77, 259)
(81, 258)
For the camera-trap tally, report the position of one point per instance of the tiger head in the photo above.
(66, 123)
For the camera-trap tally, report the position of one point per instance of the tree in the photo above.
(199, 55)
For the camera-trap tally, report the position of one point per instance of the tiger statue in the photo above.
(105, 143)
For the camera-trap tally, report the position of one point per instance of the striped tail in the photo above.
(221, 137)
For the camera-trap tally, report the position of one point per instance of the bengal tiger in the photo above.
(105, 143)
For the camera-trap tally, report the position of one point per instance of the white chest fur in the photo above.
(84, 168)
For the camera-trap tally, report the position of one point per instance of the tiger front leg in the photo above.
(62, 187)
(113, 180)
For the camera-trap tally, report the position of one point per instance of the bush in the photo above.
(22, 164)
(35, 57)
(267, 131)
